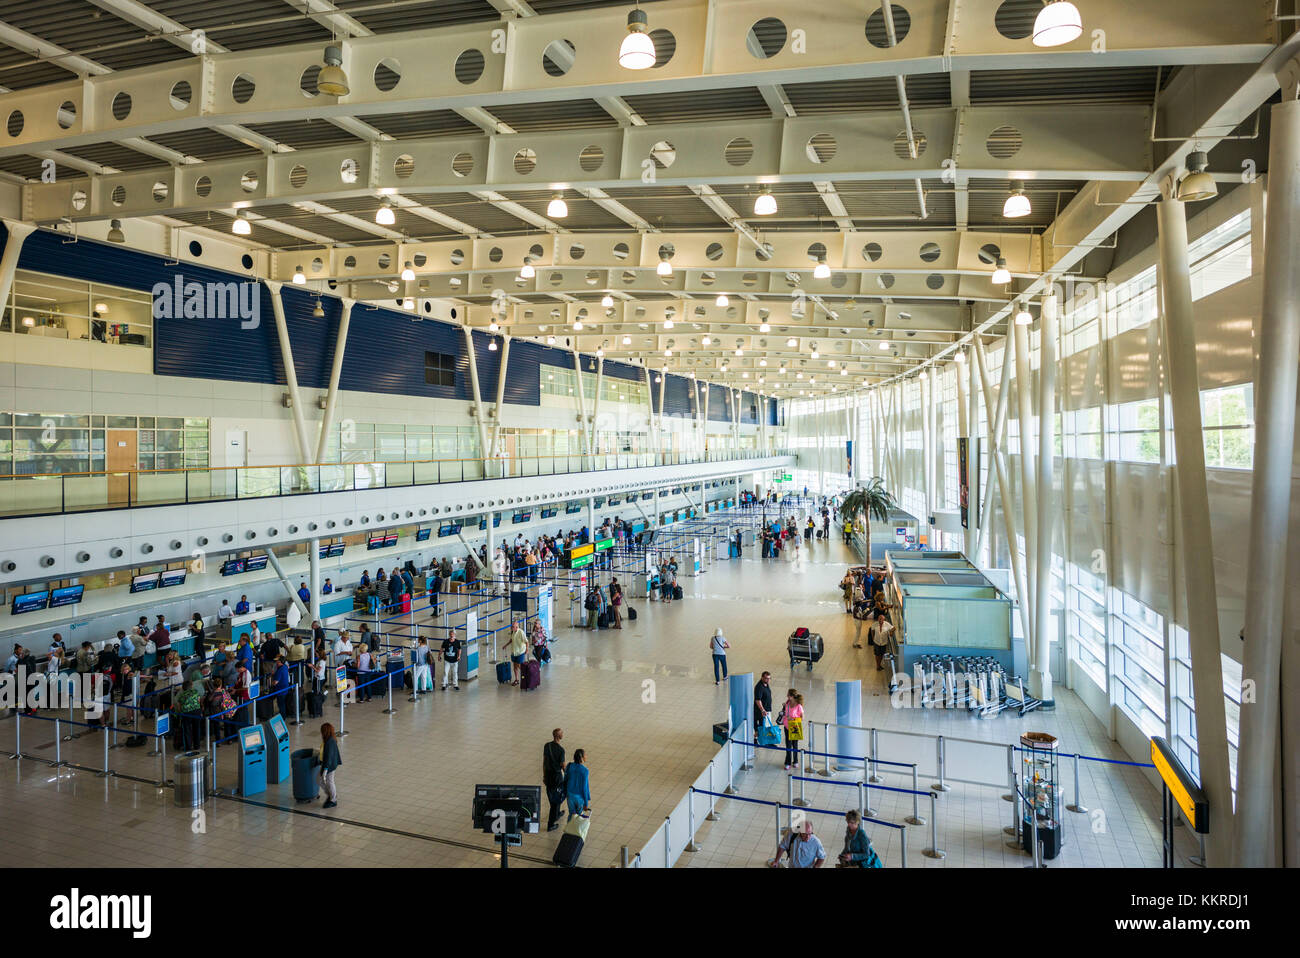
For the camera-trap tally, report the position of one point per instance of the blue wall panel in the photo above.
(385, 354)
(677, 396)
(719, 403)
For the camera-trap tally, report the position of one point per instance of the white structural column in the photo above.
(478, 398)
(927, 475)
(582, 410)
(995, 429)
(820, 419)
(663, 384)
(290, 373)
(977, 511)
(1028, 503)
(499, 406)
(331, 397)
(1040, 672)
(288, 586)
(964, 432)
(595, 405)
(998, 461)
(1196, 541)
(1270, 514)
(650, 411)
(18, 233)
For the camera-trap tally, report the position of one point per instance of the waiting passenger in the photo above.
(161, 637)
(450, 656)
(365, 666)
(297, 651)
(577, 784)
(329, 760)
(804, 848)
(857, 852)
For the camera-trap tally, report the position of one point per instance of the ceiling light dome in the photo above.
(1001, 275)
(493, 327)
(706, 341)
(821, 270)
(792, 342)
(557, 208)
(527, 271)
(764, 328)
(1023, 318)
(299, 277)
(664, 268)
(637, 51)
(1197, 184)
(627, 340)
(577, 325)
(607, 301)
(115, 234)
(384, 215)
(492, 345)
(668, 354)
(550, 340)
(408, 304)
(318, 312)
(668, 324)
(722, 300)
(331, 80)
(408, 274)
(240, 225)
(765, 204)
(1017, 204)
(762, 362)
(1058, 22)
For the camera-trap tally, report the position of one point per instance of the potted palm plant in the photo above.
(872, 501)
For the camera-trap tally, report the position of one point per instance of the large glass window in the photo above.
(1228, 417)
(55, 307)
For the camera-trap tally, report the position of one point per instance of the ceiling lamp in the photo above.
(331, 80)
(782, 370)
(240, 225)
(1058, 22)
(29, 321)
(815, 354)
(408, 304)
(299, 277)
(724, 368)
(1001, 275)
(706, 341)
(384, 215)
(739, 351)
(408, 274)
(830, 363)
(607, 301)
(1197, 184)
(550, 340)
(960, 357)
(762, 362)
(492, 345)
(600, 352)
(577, 325)
(637, 51)
(101, 309)
(798, 375)
(664, 268)
(527, 271)
(924, 377)
(627, 340)
(668, 323)
(1022, 316)
(792, 343)
(722, 300)
(764, 328)
(1017, 204)
(115, 234)
(821, 270)
(557, 208)
(844, 370)
(765, 204)
(884, 345)
(493, 327)
(318, 312)
(668, 354)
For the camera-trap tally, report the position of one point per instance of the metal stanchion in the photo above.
(941, 759)
(622, 857)
(1010, 796)
(18, 737)
(826, 747)
(862, 801)
(731, 765)
(904, 843)
(105, 773)
(668, 841)
(388, 680)
(1076, 805)
(1035, 843)
(162, 761)
(58, 739)
(691, 845)
(135, 703)
(778, 825)
(340, 731)
(915, 818)
(801, 800)
(866, 808)
(713, 799)
(1014, 828)
(297, 700)
(934, 851)
(874, 779)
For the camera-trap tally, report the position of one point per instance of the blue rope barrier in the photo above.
(879, 788)
(771, 804)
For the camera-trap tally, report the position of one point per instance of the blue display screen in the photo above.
(31, 602)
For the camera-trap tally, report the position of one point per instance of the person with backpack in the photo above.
(615, 604)
(422, 677)
(450, 656)
(857, 852)
(592, 605)
(804, 848)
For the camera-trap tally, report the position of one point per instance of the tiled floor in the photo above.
(640, 701)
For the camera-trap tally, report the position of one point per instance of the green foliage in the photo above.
(872, 499)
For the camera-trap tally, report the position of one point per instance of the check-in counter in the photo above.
(241, 625)
(334, 606)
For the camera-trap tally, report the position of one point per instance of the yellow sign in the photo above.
(1181, 786)
(579, 551)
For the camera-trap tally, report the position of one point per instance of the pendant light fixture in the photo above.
(1017, 204)
(607, 301)
(764, 328)
(1197, 184)
(821, 270)
(1023, 317)
(637, 52)
(384, 215)
(331, 80)
(240, 225)
(492, 345)
(1001, 275)
(706, 341)
(318, 312)
(557, 209)
(668, 323)
(299, 277)
(627, 340)
(408, 274)
(493, 327)
(527, 271)
(408, 304)
(762, 362)
(665, 268)
(792, 343)
(577, 325)
(765, 204)
(722, 300)
(1057, 23)
(101, 308)
(550, 340)
(115, 234)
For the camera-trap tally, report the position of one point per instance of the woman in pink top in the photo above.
(791, 719)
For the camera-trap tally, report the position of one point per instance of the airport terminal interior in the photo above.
(665, 435)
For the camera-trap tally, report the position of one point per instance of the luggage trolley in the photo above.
(805, 646)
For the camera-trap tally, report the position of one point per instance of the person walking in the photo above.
(879, 639)
(450, 655)
(857, 852)
(577, 784)
(791, 719)
(804, 848)
(719, 645)
(423, 679)
(553, 777)
(329, 760)
(518, 650)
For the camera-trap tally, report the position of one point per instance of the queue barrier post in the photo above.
(713, 801)
(342, 712)
(801, 801)
(934, 851)
(1076, 805)
(388, 680)
(114, 722)
(862, 801)
(668, 841)
(691, 845)
(940, 759)
(135, 702)
(297, 699)
(18, 738)
(58, 739)
(623, 857)
(904, 844)
(915, 818)
(866, 798)
(777, 809)
(826, 747)
(104, 773)
(874, 779)
(162, 761)
(1010, 795)
(1014, 828)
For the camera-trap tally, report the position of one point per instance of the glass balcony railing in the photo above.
(39, 495)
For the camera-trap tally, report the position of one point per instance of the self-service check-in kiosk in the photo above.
(277, 751)
(252, 761)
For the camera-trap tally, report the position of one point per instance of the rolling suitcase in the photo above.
(568, 851)
(530, 676)
(631, 614)
(503, 672)
(677, 593)
(602, 620)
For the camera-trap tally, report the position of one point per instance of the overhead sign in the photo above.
(603, 544)
(1185, 790)
(581, 562)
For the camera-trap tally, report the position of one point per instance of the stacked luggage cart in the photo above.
(977, 683)
(805, 646)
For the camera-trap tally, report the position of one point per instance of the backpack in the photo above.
(873, 860)
(592, 603)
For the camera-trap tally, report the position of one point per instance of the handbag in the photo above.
(769, 733)
(794, 729)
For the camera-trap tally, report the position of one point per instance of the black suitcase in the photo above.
(315, 704)
(631, 614)
(677, 593)
(602, 620)
(568, 851)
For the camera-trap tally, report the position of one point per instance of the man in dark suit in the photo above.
(553, 777)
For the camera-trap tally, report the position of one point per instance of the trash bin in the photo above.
(305, 785)
(190, 776)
